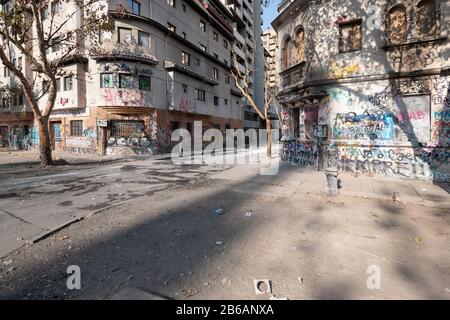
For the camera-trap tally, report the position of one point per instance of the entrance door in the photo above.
(3, 137)
(55, 135)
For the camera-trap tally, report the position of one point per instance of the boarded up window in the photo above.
(287, 53)
(412, 118)
(426, 19)
(398, 25)
(300, 45)
(350, 36)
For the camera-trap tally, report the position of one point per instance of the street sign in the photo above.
(102, 123)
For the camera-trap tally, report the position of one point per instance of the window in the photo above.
(44, 14)
(45, 86)
(5, 103)
(20, 99)
(216, 101)
(174, 125)
(197, 61)
(171, 27)
(58, 85)
(184, 35)
(126, 81)
(286, 53)
(106, 80)
(145, 83)
(215, 36)
(143, 39)
(202, 25)
(350, 36)
(68, 83)
(184, 7)
(56, 47)
(127, 128)
(225, 101)
(225, 44)
(227, 79)
(203, 47)
(300, 45)
(19, 63)
(134, 6)
(76, 128)
(56, 7)
(426, 19)
(185, 88)
(398, 25)
(171, 3)
(215, 73)
(201, 94)
(185, 58)
(124, 35)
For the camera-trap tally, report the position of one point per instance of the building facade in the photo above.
(270, 44)
(165, 65)
(369, 79)
(249, 51)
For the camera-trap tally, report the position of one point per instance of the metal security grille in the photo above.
(127, 128)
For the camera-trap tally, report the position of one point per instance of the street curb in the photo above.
(405, 200)
(48, 233)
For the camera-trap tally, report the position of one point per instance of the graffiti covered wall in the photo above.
(395, 129)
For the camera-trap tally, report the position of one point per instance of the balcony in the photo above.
(129, 51)
(292, 76)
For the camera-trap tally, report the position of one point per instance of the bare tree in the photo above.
(270, 95)
(33, 27)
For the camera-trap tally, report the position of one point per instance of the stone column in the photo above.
(331, 173)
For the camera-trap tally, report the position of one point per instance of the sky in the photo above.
(270, 13)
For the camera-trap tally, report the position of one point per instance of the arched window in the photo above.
(300, 45)
(426, 19)
(286, 54)
(398, 25)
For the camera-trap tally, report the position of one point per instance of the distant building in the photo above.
(369, 78)
(270, 43)
(250, 52)
(166, 64)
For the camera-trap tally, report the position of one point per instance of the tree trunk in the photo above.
(45, 147)
(269, 134)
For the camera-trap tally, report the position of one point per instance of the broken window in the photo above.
(126, 81)
(300, 45)
(426, 19)
(350, 36)
(398, 25)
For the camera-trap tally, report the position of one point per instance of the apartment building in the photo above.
(165, 65)
(371, 80)
(247, 16)
(270, 39)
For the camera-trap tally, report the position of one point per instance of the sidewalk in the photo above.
(293, 180)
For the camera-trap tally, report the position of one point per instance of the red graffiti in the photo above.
(187, 106)
(418, 115)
